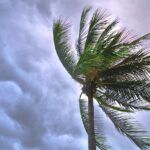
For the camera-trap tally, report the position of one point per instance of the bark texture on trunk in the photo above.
(89, 90)
(91, 133)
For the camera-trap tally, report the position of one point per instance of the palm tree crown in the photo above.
(116, 67)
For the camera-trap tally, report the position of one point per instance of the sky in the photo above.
(39, 107)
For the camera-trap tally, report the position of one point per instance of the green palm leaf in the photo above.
(110, 104)
(130, 89)
(62, 46)
(82, 30)
(111, 98)
(105, 37)
(126, 125)
(133, 67)
(97, 24)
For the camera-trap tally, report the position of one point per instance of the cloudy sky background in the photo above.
(38, 99)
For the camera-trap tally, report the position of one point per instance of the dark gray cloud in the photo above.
(38, 99)
(33, 115)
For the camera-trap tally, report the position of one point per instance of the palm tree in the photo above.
(113, 68)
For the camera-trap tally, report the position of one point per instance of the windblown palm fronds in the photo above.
(114, 70)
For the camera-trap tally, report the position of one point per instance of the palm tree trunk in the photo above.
(91, 133)
(89, 89)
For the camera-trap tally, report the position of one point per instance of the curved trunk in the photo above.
(91, 133)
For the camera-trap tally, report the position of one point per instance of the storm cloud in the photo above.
(38, 99)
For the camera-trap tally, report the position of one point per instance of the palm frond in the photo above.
(115, 40)
(100, 99)
(99, 135)
(111, 98)
(105, 36)
(105, 46)
(127, 125)
(130, 89)
(97, 24)
(133, 67)
(114, 48)
(63, 48)
(141, 39)
(138, 56)
(82, 30)
(130, 45)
